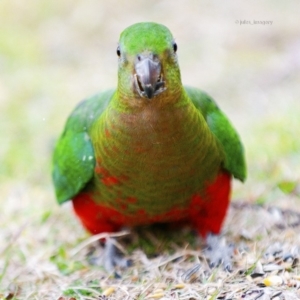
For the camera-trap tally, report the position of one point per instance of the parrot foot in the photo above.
(111, 258)
(218, 252)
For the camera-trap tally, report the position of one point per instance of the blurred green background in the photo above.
(55, 53)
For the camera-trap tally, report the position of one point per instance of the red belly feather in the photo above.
(205, 215)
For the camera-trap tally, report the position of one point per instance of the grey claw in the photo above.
(218, 252)
(110, 258)
(113, 257)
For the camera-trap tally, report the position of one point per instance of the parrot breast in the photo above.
(153, 159)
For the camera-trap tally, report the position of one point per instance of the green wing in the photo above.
(223, 130)
(73, 159)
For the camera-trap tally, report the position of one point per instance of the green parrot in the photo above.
(151, 150)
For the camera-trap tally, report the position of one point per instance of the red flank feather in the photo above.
(204, 214)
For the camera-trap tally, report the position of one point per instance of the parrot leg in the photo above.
(112, 257)
(218, 251)
(95, 220)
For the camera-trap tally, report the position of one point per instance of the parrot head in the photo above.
(148, 66)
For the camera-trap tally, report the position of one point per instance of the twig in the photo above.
(95, 238)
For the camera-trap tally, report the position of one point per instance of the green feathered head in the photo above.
(148, 66)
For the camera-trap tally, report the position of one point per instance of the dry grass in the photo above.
(43, 260)
(54, 54)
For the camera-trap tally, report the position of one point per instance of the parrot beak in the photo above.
(148, 77)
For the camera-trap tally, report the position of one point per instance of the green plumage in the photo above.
(164, 148)
(221, 127)
(74, 157)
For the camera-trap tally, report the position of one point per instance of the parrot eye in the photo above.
(118, 51)
(174, 47)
